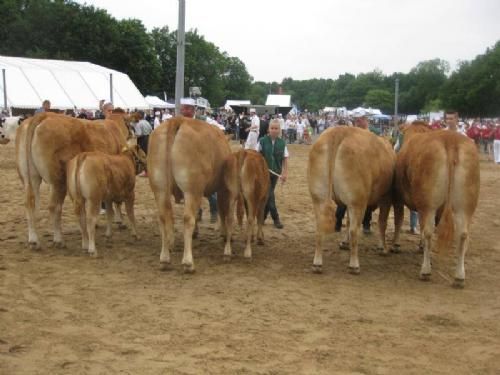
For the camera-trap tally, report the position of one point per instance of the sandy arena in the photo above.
(62, 312)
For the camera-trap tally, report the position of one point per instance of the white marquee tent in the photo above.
(67, 84)
(156, 102)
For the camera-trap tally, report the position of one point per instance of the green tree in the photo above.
(381, 99)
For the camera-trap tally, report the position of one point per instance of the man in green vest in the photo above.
(274, 150)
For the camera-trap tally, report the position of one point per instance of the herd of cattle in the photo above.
(436, 173)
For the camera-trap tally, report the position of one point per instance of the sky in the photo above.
(324, 38)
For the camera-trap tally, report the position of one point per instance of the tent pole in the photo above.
(111, 88)
(4, 90)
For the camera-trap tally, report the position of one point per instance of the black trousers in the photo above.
(271, 203)
(340, 213)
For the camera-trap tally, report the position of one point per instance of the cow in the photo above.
(352, 167)
(437, 175)
(44, 144)
(186, 159)
(95, 177)
(8, 127)
(253, 190)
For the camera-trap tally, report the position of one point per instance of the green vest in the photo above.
(274, 154)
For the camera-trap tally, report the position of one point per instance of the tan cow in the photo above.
(353, 167)
(437, 174)
(186, 158)
(253, 185)
(44, 144)
(95, 177)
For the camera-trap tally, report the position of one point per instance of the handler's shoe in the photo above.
(278, 224)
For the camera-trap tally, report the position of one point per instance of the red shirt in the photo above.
(474, 132)
(496, 133)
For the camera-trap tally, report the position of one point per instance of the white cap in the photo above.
(188, 101)
(359, 113)
(252, 110)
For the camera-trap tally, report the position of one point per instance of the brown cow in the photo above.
(353, 167)
(45, 143)
(253, 185)
(437, 174)
(95, 177)
(186, 158)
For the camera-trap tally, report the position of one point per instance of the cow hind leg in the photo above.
(250, 225)
(109, 219)
(191, 205)
(355, 215)
(260, 222)
(129, 206)
(92, 211)
(426, 227)
(226, 206)
(57, 195)
(382, 226)
(321, 228)
(166, 225)
(462, 232)
(399, 210)
(80, 212)
(32, 205)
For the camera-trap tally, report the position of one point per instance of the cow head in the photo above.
(3, 136)
(138, 157)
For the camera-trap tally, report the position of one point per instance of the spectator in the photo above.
(45, 107)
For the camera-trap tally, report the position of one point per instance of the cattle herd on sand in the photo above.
(436, 173)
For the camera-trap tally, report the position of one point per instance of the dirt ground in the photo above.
(62, 312)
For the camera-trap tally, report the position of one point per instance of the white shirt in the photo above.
(282, 124)
(301, 125)
(166, 116)
(255, 123)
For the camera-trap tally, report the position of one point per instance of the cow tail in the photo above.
(446, 226)
(78, 200)
(30, 131)
(173, 127)
(240, 201)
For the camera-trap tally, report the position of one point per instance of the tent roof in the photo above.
(279, 100)
(67, 84)
(156, 102)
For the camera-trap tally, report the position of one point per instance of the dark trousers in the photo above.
(142, 142)
(212, 202)
(271, 203)
(340, 213)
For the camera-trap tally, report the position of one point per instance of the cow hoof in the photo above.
(248, 258)
(425, 276)
(354, 270)
(260, 242)
(458, 284)
(165, 266)
(122, 226)
(188, 268)
(396, 248)
(34, 245)
(344, 246)
(383, 253)
(93, 254)
(317, 269)
(226, 258)
(59, 245)
(137, 237)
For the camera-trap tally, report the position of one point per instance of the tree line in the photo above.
(62, 29)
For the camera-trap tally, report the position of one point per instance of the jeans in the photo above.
(271, 203)
(413, 220)
(340, 213)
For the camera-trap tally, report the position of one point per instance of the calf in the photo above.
(95, 177)
(253, 184)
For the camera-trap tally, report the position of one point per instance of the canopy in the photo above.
(230, 103)
(279, 100)
(156, 102)
(67, 84)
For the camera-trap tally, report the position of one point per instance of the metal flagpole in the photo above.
(181, 39)
(111, 88)
(4, 90)
(396, 98)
